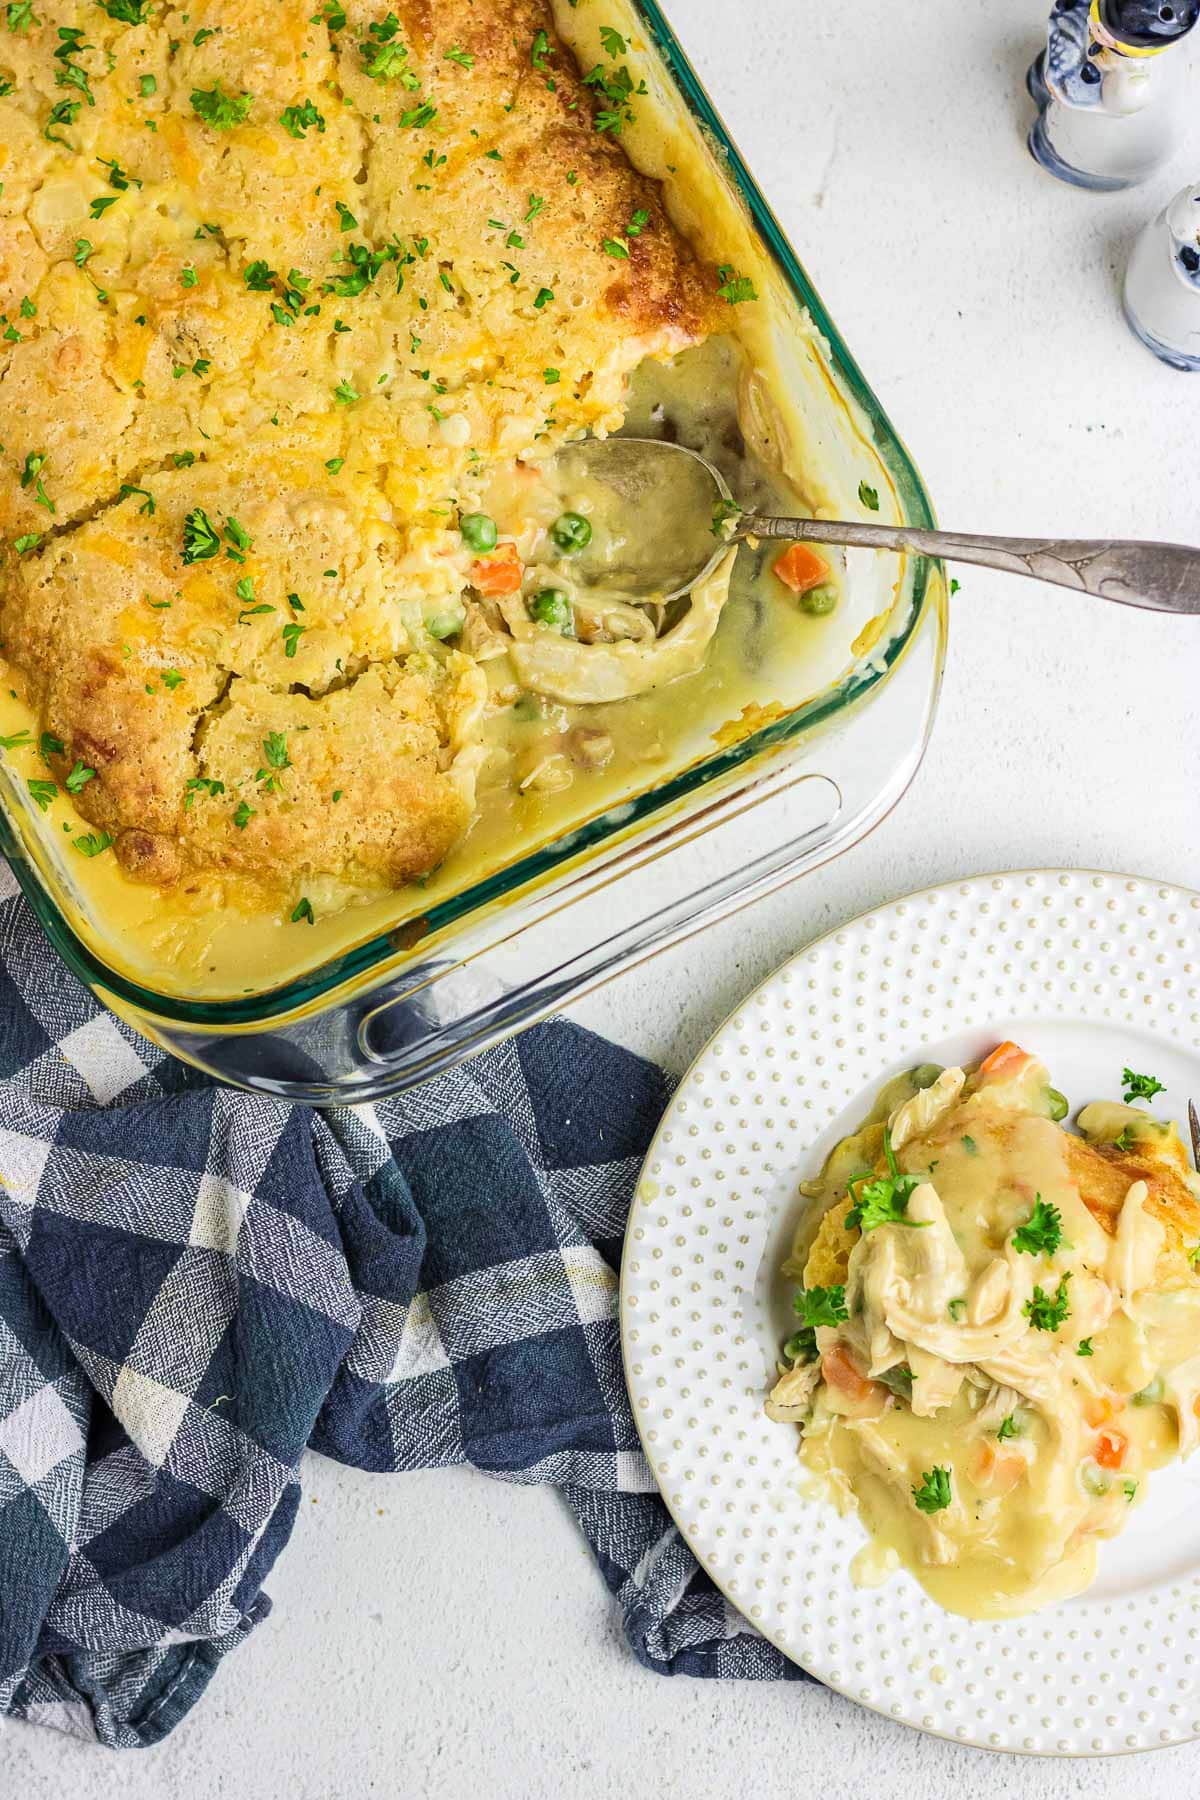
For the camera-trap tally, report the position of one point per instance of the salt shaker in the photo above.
(1162, 283)
(1106, 99)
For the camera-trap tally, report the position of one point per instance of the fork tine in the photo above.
(1194, 1126)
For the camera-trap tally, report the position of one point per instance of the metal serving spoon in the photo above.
(658, 482)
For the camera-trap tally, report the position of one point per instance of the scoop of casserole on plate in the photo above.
(999, 1328)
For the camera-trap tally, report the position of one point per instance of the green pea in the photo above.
(479, 531)
(925, 1074)
(1059, 1105)
(444, 625)
(571, 531)
(819, 600)
(551, 607)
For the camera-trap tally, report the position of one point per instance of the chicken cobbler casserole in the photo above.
(998, 1328)
(298, 301)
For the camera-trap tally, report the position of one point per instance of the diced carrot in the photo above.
(499, 573)
(800, 568)
(997, 1470)
(1098, 1409)
(841, 1374)
(1005, 1059)
(1110, 1449)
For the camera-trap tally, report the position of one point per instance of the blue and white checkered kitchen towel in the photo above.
(197, 1284)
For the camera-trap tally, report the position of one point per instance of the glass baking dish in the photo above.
(761, 808)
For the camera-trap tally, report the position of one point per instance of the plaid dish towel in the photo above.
(196, 1285)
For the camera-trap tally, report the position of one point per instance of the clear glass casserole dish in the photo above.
(449, 971)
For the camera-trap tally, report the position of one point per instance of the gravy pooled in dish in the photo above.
(1000, 1329)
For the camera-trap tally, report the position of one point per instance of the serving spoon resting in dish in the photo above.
(665, 481)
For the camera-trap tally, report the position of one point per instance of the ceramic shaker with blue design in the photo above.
(1107, 96)
(1162, 283)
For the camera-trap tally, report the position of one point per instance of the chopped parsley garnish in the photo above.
(91, 843)
(17, 741)
(201, 540)
(614, 44)
(83, 249)
(70, 73)
(183, 459)
(148, 506)
(957, 1308)
(1041, 1234)
(384, 57)
(463, 58)
(49, 745)
(970, 1146)
(42, 793)
(346, 218)
(882, 1199)
(933, 1494)
(296, 120)
(542, 298)
(79, 777)
(127, 12)
(815, 1306)
(201, 784)
(868, 496)
(551, 376)
(29, 540)
(1084, 1347)
(243, 815)
(416, 117)
(735, 288)
(335, 464)
(303, 910)
(821, 1305)
(332, 14)
(345, 393)
(171, 679)
(614, 247)
(64, 112)
(259, 277)
(1127, 1139)
(220, 110)
(365, 265)
(1048, 1312)
(637, 223)
(616, 87)
(101, 204)
(291, 637)
(539, 51)
(275, 751)
(18, 16)
(1008, 1427)
(1140, 1087)
(118, 177)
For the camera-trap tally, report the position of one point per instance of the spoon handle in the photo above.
(1159, 577)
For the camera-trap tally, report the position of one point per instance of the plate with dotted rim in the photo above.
(1090, 972)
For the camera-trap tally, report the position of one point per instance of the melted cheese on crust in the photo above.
(316, 320)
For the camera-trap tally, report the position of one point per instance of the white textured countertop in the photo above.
(446, 1635)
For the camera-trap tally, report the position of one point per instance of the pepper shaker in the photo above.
(1107, 101)
(1162, 283)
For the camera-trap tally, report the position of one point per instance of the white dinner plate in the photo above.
(1091, 972)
